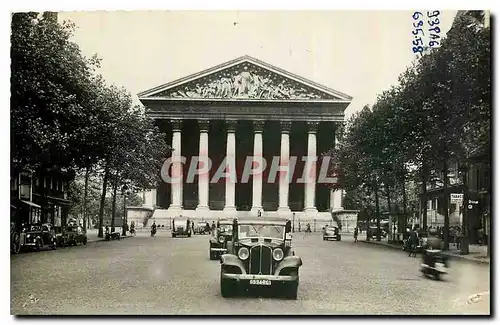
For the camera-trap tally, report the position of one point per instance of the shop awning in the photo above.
(31, 204)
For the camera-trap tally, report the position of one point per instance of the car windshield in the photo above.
(180, 223)
(253, 231)
(226, 228)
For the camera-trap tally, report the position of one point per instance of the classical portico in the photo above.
(237, 116)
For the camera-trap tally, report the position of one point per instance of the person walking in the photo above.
(413, 243)
(356, 234)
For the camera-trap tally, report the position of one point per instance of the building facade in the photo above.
(240, 109)
(39, 198)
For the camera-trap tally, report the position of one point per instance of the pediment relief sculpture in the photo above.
(245, 81)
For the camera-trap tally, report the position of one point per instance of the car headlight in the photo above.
(278, 254)
(221, 239)
(243, 253)
(28, 236)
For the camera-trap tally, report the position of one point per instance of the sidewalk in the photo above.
(477, 254)
(92, 235)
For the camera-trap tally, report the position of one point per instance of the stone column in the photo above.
(257, 178)
(204, 174)
(336, 197)
(310, 170)
(230, 205)
(284, 180)
(176, 166)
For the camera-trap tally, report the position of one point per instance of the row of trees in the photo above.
(65, 117)
(440, 111)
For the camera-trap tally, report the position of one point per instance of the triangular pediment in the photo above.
(245, 78)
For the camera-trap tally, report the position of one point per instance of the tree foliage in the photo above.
(440, 110)
(65, 116)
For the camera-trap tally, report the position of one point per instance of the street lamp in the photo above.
(125, 192)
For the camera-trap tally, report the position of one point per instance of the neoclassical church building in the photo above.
(241, 108)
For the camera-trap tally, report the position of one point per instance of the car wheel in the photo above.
(226, 288)
(54, 245)
(211, 254)
(324, 238)
(38, 245)
(85, 241)
(189, 234)
(437, 276)
(173, 235)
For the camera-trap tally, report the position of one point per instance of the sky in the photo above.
(360, 53)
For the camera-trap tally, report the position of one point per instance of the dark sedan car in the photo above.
(260, 257)
(331, 232)
(218, 242)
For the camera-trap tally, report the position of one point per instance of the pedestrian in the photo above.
(213, 227)
(413, 243)
(356, 234)
(458, 237)
(192, 226)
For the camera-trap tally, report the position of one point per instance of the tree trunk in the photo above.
(402, 227)
(464, 244)
(103, 200)
(85, 198)
(423, 202)
(377, 211)
(113, 204)
(388, 196)
(446, 231)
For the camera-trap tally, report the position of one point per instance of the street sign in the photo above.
(456, 198)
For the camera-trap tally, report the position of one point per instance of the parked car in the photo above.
(201, 228)
(38, 236)
(372, 232)
(181, 226)
(75, 235)
(220, 238)
(260, 256)
(331, 232)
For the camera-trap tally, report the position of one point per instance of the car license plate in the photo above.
(261, 282)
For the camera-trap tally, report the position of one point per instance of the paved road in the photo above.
(165, 275)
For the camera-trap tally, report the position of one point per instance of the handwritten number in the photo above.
(434, 14)
(434, 36)
(418, 49)
(436, 29)
(415, 15)
(415, 32)
(420, 24)
(433, 43)
(435, 22)
(415, 42)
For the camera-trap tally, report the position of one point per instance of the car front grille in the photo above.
(260, 260)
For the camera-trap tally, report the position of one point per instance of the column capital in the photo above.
(258, 126)
(312, 126)
(231, 125)
(203, 125)
(176, 124)
(285, 126)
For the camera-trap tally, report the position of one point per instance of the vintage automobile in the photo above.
(75, 235)
(219, 239)
(260, 256)
(372, 232)
(331, 232)
(181, 226)
(38, 236)
(201, 228)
